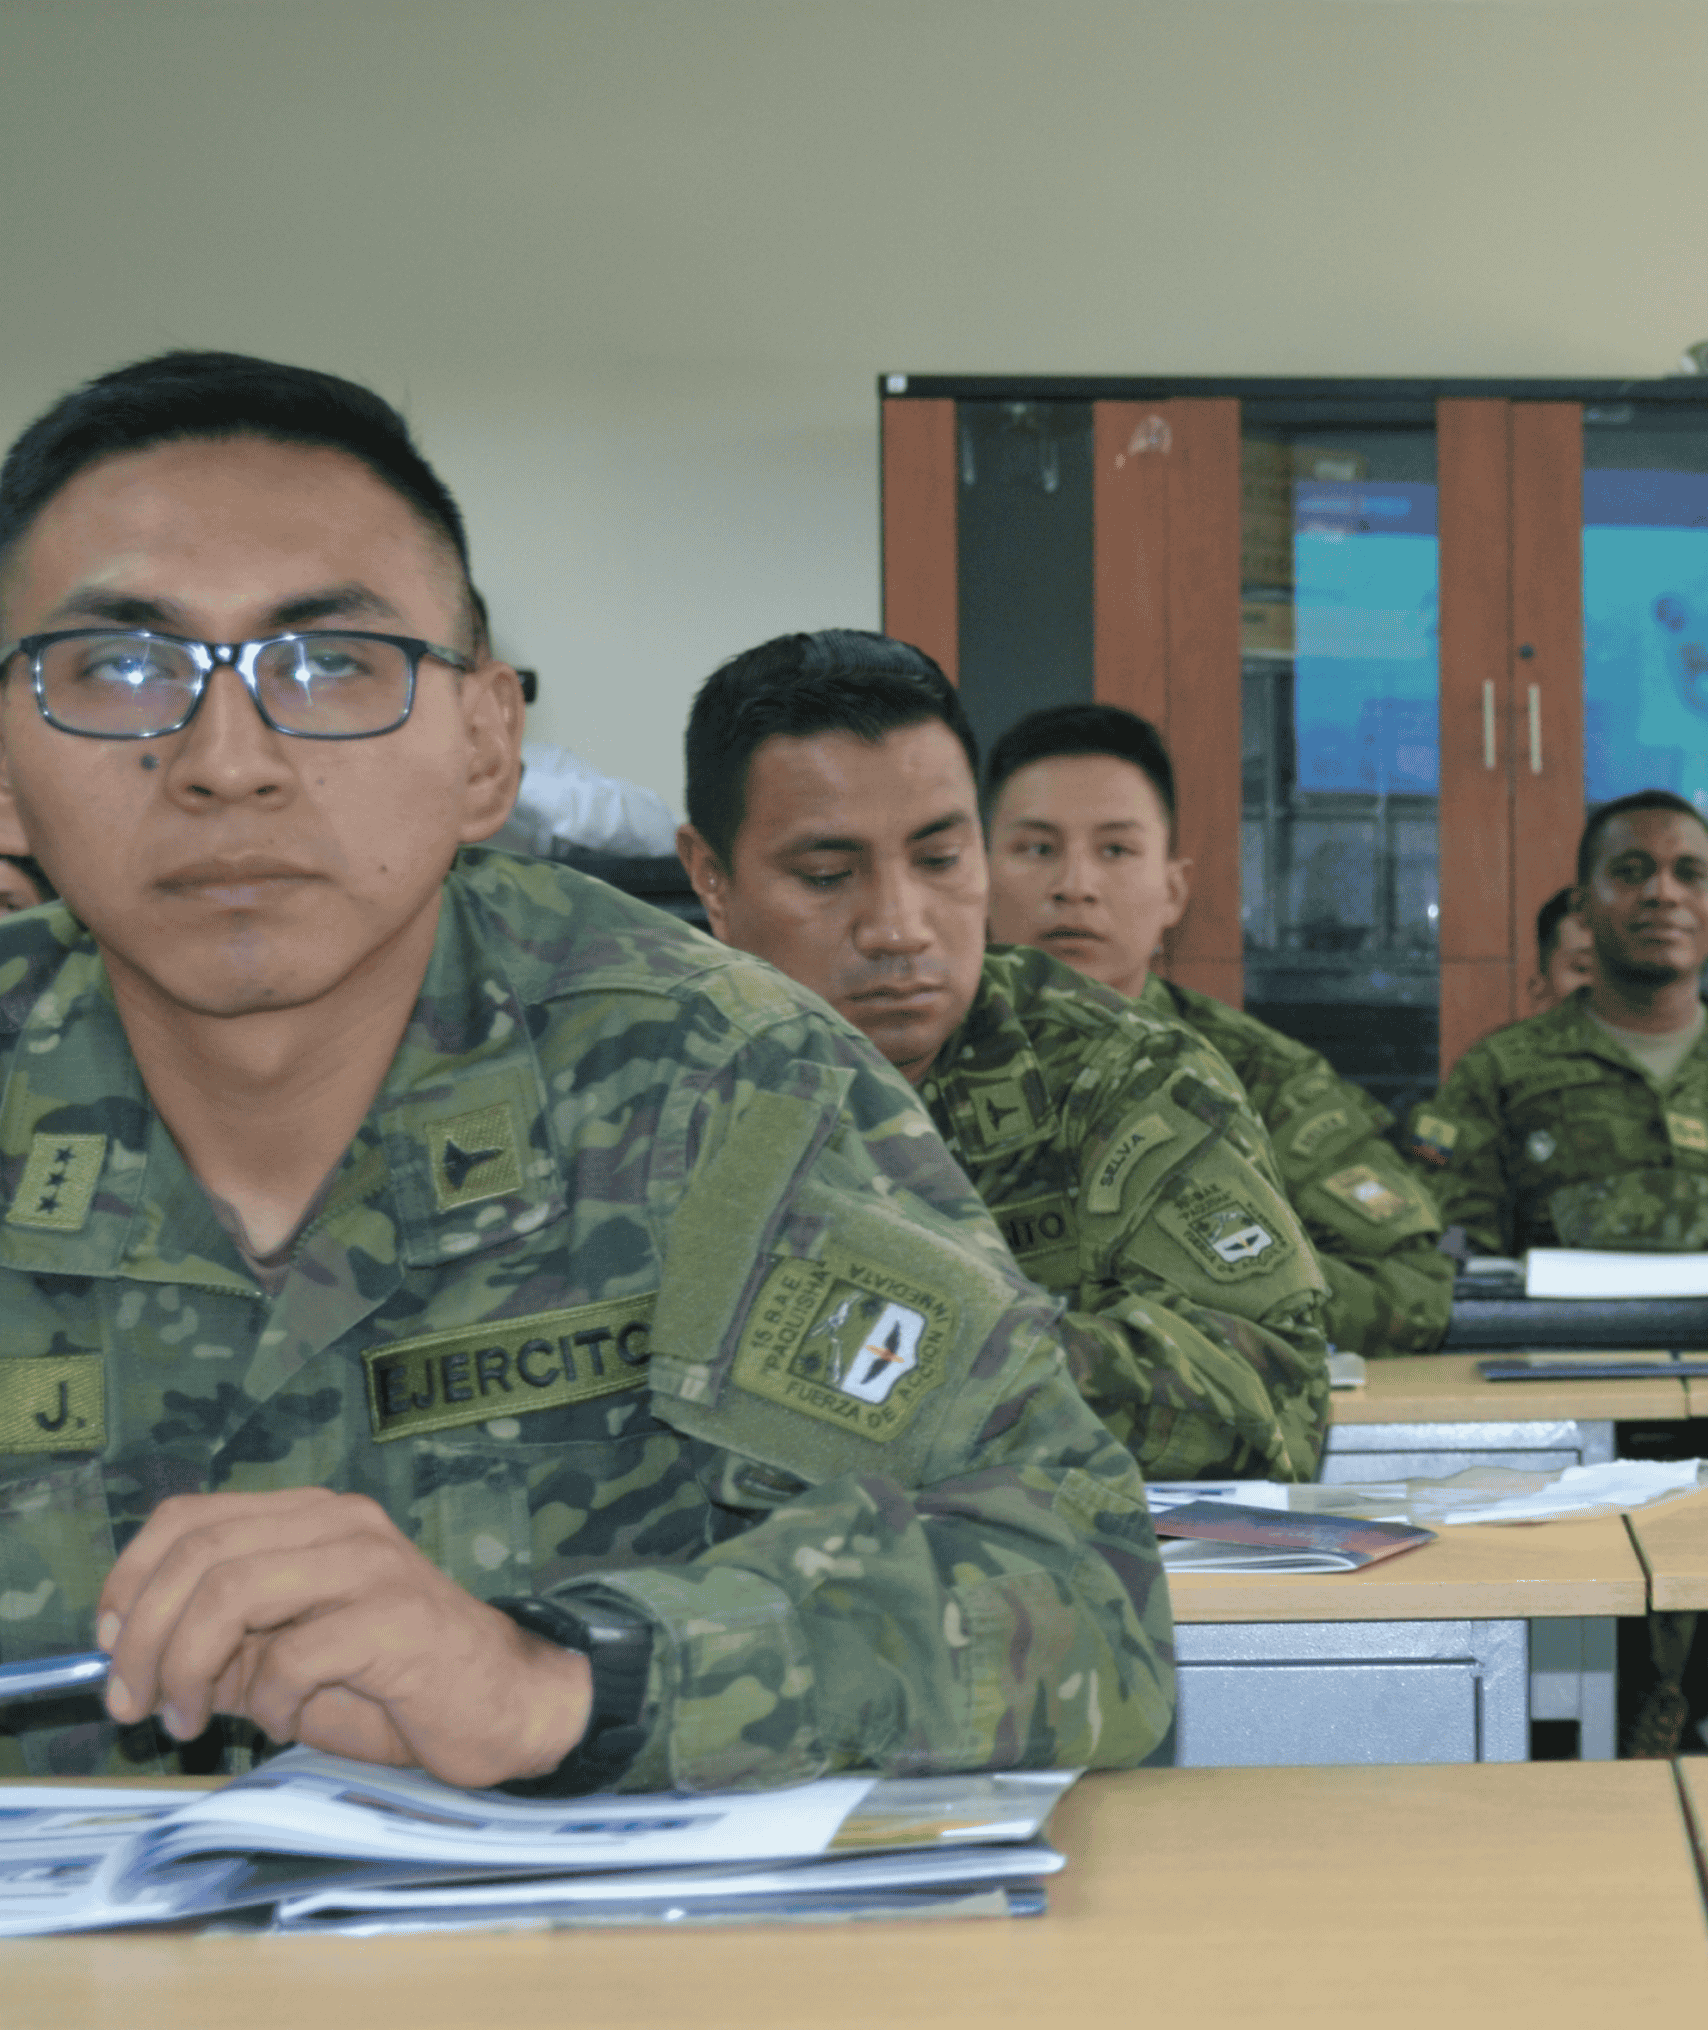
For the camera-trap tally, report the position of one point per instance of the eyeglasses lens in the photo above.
(117, 683)
(333, 683)
(124, 685)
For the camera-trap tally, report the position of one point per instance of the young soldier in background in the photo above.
(1587, 1126)
(1564, 953)
(1080, 803)
(833, 829)
(450, 1313)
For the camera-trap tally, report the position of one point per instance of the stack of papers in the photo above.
(1478, 1494)
(1609, 1273)
(311, 1842)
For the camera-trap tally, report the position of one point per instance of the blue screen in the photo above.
(1366, 583)
(1645, 625)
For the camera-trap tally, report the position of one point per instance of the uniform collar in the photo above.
(1571, 1028)
(988, 1079)
(458, 1130)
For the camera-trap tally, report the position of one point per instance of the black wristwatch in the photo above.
(618, 1646)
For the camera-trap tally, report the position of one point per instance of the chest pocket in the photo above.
(520, 1504)
(1566, 1122)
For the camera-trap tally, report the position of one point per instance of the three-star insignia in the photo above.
(58, 1184)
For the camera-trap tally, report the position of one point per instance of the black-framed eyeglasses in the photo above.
(112, 684)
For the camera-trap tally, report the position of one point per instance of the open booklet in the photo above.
(315, 1842)
(1221, 1531)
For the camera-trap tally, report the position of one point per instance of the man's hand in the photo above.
(312, 1615)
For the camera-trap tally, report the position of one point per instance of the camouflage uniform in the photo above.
(644, 1286)
(1129, 1176)
(1547, 1134)
(1390, 1288)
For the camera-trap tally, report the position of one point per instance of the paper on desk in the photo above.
(1481, 1494)
(1611, 1273)
(1588, 1490)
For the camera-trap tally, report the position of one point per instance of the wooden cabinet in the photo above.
(1368, 881)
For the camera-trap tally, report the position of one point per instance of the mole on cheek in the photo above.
(150, 762)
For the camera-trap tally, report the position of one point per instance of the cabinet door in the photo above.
(1165, 605)
(1511, 698)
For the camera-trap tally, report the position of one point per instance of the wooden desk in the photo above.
(1672, 1541)
(1445, 1388)
(1444, 1654)
(1692, 1774)
(1696, 1397)
(1480, 1572)
(1327, 1899)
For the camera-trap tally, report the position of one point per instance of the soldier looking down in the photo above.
(1080, 800)
(833, 829)
(449, 1313)
(1587, 1126)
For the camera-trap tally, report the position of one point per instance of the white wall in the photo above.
(632, 265)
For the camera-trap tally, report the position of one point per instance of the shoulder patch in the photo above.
(857, 1351)
(1365, 1192)
(1432, 1140)
(1223, 1234)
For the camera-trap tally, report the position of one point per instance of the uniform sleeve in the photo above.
(1455, 1142)
(1371, 1219)
(1196, 1331)
(928, 1554)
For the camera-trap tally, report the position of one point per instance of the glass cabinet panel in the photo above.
(1023, 500)
(1645, 600)
(1340, 746)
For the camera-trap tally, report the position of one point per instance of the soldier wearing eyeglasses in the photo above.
(450, 1313)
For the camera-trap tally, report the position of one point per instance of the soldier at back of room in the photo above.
(1587, 1126)
(1080, 803)
(451, 1314)
(833, 807)
(1564, 952)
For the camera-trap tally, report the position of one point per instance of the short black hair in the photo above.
(840, 680)
(1549, 917)
(1640, 800)
(1082, 729)
(179, 395)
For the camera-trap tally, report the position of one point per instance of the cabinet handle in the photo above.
(1488, 724)
(1535, 729)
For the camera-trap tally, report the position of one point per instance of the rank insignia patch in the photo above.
(473, 1157)
(58, 1184)
(1432, 1141)
(1365, 1192)
(1684, 1131)
(858, 1350)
